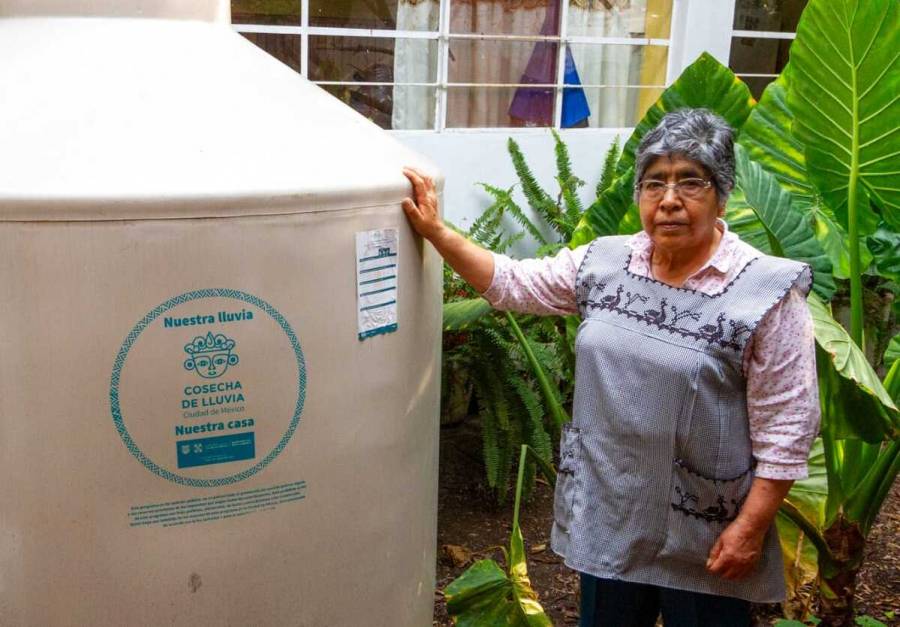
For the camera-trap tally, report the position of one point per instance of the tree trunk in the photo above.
(838, 579)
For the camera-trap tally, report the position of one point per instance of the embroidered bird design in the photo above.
(714, 332)
(657, 317)
(611, 302)
(717, 512)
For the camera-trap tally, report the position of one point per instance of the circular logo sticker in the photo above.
(208, 387)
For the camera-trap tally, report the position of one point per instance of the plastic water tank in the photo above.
(219, 339)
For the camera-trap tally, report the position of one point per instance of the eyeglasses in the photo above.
(690, 189)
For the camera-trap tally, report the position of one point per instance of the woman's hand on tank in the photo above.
(422, 210)
(472, 262)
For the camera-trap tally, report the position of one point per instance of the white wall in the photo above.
(467, 158)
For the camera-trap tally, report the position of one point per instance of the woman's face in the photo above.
(679, 220)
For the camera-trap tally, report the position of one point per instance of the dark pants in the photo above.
(611, 603)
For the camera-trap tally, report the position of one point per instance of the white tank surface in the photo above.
(219, 338)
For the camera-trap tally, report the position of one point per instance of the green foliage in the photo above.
(892, 354)
(856, 403)
(520, 369)
(845, 75)
(540, 201)
(885, 246)
(609, 167)
(845, 67)
(769, 142)
(774, 225)
(486, 596)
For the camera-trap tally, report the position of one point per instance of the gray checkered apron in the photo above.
(657, 460)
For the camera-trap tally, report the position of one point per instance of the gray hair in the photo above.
(696, 134)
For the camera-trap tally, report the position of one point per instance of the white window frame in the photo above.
(443, 36)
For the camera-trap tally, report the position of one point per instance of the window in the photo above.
(445, 64)
(762, 35)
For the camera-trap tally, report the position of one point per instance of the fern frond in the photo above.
(568, 185)
(610, 162)
(495, 395)
(504, 245)
(490, 446)
(568, 191)
(563, 162)
(539, 200)
(491, 229)
(536, 435)
(549, 250)
(515, 211)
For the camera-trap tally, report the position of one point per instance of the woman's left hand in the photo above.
(736, 551)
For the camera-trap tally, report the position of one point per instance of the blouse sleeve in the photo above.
(536, 286)
(782, 390)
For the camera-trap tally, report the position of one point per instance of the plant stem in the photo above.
(856, 293)
(519, 481)
(556, 411)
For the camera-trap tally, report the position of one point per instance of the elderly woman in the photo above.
(695, 393)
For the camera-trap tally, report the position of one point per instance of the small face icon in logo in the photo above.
(210, 356)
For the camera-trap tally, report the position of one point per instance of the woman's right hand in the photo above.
(472, 262)
(422, 211)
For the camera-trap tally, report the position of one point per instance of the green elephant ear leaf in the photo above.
(768, 140)
(779, 229)
(461, 314)
(836, 243)
(892, 353)
(704, 83)
(845, 77)
(809, 497)
(605, 215)
(885, 246)
(854, 401)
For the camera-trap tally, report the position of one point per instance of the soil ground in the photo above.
(469, 518)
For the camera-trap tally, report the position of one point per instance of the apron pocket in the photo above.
(699, 510)
(564, 496)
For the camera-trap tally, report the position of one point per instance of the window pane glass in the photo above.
(616, 64)
(285, 48)
(768, 15)
(481, 107)
(505, 17)
(380, 14)
(502, 61)
(604, 71)
(610, 18)
(751, 55)
(372, 59)
(281, 12)
(399, 107)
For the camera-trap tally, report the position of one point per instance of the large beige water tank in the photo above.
(219, 339)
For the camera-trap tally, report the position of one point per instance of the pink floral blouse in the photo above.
(780, 363)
